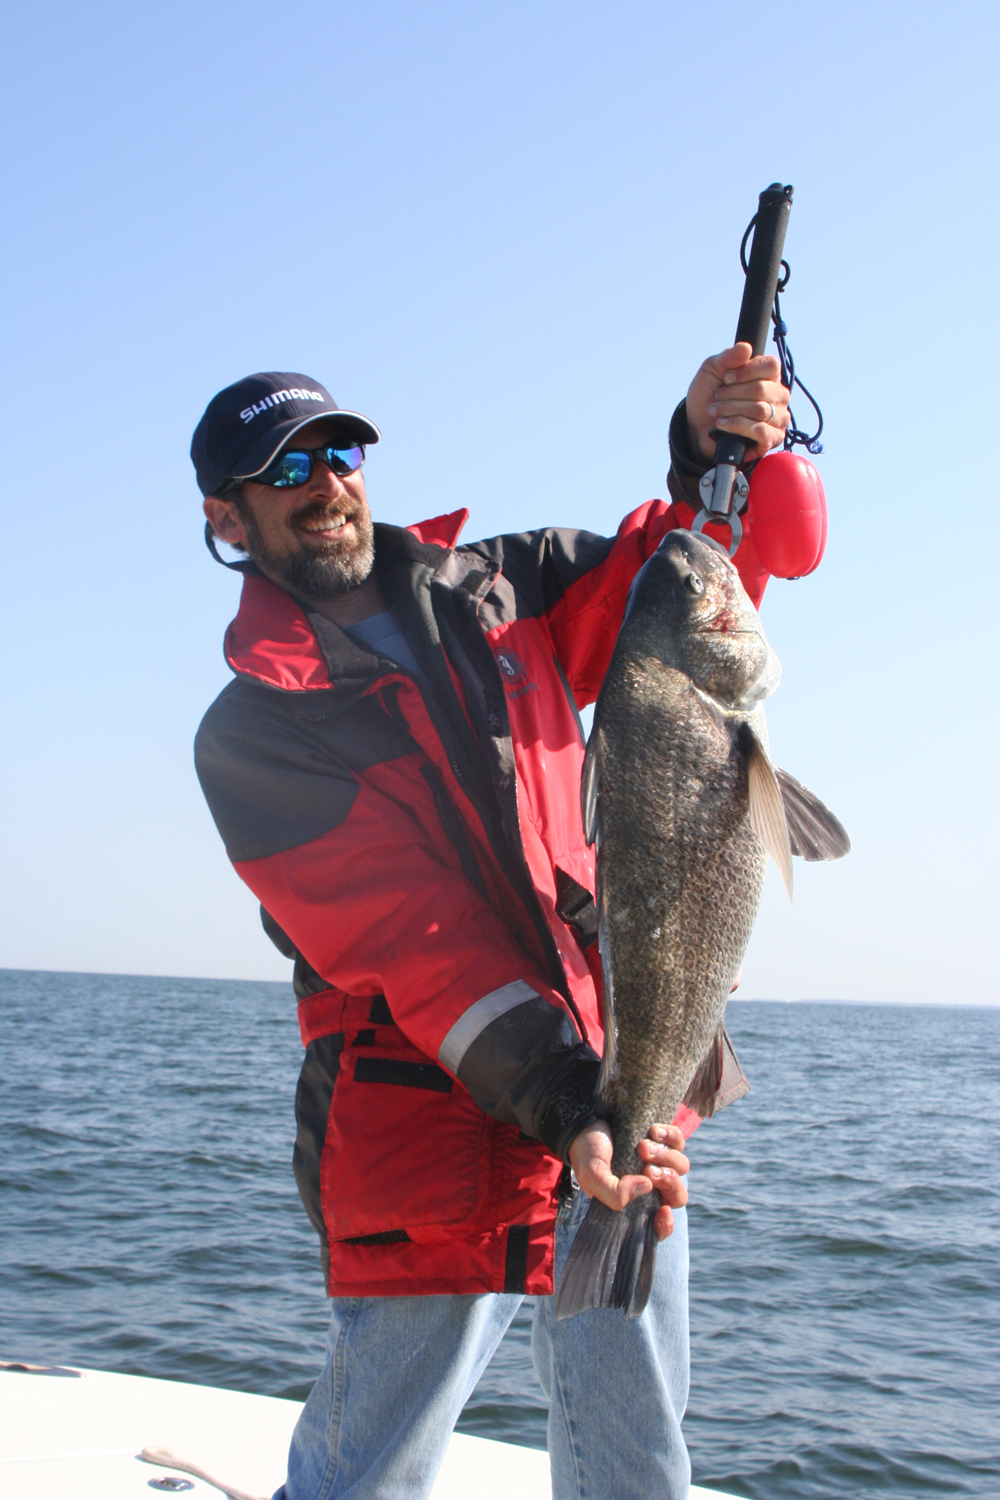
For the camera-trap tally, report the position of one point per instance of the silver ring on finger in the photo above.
(770, 419)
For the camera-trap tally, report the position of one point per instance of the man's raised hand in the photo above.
(735, 392)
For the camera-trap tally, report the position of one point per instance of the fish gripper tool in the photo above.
(724, 489)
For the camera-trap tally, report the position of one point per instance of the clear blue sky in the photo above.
(508, 233)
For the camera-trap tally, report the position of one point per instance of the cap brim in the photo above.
(256, 460)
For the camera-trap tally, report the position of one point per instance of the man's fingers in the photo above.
(651, 1150)
(670, 1185)
(660, 1159)
(662, 1156)
(753, 400)
(731, 358)
(759, 435)
(757, 395)
(740, 363)
(665, 1164)
(753, 415)
(759, 367)
(663, 1223)
(757, 410)
(670, 1162)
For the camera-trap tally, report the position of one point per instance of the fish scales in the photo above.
(682, 873)
(684, 806)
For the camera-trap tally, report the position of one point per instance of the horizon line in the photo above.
(733, 999)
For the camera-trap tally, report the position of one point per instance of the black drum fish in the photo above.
(684, 806)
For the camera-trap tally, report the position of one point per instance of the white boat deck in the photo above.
(78, 1437)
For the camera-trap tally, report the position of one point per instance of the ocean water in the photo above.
(845, 1224)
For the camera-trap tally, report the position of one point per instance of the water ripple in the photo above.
(844, 1286)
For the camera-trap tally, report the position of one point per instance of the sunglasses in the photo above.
(293, 467)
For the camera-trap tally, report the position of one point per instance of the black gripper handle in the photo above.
(729, 447)
(764, 267)
(763, 274)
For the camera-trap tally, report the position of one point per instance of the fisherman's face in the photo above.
(316, 540)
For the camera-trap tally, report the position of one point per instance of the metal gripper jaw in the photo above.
(724, 492)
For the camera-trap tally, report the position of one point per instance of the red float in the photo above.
(786, 515)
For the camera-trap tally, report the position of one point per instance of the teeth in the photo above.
(328, 523)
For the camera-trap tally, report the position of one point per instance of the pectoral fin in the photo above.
(767, 812)
(814, 833)
(589, 788)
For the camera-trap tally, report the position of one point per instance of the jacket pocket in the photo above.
(406, 1148)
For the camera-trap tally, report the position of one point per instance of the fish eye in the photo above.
(694, 583)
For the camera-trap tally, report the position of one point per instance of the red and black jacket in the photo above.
(418, 849)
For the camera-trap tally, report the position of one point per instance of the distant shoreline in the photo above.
(734, 999)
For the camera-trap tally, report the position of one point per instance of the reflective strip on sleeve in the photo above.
(476, 1019)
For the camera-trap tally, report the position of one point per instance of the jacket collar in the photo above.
(274, 641)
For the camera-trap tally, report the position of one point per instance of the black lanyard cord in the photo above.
(793, 434)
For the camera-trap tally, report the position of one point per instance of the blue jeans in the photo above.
(400, 1369)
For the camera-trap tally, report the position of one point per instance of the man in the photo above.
(395, 772)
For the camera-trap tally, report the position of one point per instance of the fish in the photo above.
(683, 804)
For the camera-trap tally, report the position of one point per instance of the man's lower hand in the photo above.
(665, 1165)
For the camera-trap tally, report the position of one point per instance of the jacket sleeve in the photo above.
(376, 901)
(686, 466)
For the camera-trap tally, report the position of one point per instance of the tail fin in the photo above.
(612, 1260)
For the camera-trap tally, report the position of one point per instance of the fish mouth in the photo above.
(724, 627)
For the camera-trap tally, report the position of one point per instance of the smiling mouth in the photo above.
(325, 525)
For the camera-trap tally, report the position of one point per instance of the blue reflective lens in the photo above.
(294, 467)
(288, 471)
(344, 460)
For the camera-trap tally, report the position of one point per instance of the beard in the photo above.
(321, 573)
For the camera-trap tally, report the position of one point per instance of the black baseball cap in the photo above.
(245, 425)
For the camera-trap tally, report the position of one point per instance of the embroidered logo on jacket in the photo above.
(514, 674)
